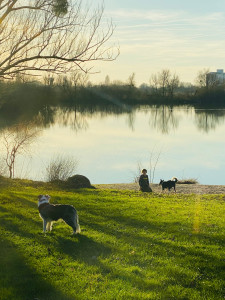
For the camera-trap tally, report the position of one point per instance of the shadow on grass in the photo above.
(15, 222)
(19, 281)
(88, 251)
(85, 249)
(159, 246)
(22, 199)
(175, 229)
(188, 251)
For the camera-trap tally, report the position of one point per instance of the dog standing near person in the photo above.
(169, 184)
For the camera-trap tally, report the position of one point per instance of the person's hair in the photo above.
(143, 170)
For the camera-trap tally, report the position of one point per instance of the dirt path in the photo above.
(181, 188)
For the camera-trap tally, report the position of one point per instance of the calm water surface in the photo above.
(181, 142)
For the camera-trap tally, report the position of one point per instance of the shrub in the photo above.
(188, 181)
(61, 168)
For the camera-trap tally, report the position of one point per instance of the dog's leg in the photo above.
(77, 224)
(49, 226)
(72, 221)
(44, 225)
(78, 230)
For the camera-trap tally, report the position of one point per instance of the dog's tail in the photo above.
(174, 179)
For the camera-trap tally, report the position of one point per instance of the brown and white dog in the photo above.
(50, 212)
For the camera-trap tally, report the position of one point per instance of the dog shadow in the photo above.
(82, 248)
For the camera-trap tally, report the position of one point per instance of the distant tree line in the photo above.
(164, 88)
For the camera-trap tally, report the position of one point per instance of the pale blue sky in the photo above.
(183, 36)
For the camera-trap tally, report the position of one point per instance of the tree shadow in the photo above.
(17, 227)
(169, 242)
(19, 281)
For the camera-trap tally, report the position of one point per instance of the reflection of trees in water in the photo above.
(77, 117)
(131, 119)
(71, 118)
(164, 119)
(45, 116)
(207, 120)
(46, 113)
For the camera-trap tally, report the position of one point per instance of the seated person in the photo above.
(144, 182)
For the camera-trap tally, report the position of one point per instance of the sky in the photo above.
(183, 36)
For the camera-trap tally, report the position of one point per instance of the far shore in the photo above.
(180, 188)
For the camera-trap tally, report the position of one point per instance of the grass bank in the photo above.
(132, 246)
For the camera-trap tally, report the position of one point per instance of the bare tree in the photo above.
(107, 80)
(55, 36)
(173, 84)
(201, 78)
(78, 79)
(48, 80)
(131, 80)
(163, 78)
(154, 157)
(154, 83)
(153, 162)
(16, 140)
(61, 168)
(212, 80)
(138, 173)
(164, 83)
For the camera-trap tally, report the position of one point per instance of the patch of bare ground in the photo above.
(180, 188)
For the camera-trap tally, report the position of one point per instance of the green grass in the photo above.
(132, 246)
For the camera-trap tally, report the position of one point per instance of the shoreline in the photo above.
(180, 188)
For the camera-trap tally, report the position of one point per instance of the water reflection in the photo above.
(208, 120)
(72, 119)
(163, 119)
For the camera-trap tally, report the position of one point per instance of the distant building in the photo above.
(215, 78)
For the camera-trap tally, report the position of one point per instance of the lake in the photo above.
(111, 147)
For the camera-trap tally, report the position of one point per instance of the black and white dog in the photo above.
(50, 212)
(168, 184)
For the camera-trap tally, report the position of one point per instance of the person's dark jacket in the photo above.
(144, 183)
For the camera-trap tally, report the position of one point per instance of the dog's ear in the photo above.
(47, 196)
(39, 196)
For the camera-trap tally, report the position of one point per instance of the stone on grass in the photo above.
(79, 181)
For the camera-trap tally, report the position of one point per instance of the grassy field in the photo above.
(132, 246)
